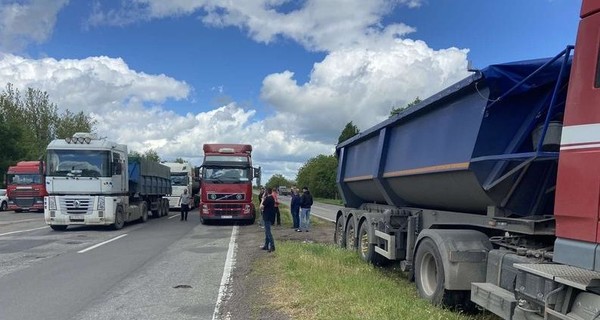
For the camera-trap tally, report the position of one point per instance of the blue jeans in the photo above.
(304, 219)
(296, 218)
(269, 242)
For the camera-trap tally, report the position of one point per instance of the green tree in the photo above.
(350, 130)
(395, 111)
(69, 123)
(277, 180)
(179, 160)
(152, 155)
(319, 174)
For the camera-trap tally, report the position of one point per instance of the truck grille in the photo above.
(226, 196)
(25, 193)
(24, 202)
(78, 205)
(227, 209)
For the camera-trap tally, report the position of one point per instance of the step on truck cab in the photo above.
(488, 192)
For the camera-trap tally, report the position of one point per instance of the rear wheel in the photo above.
(351, 235)
(4, 206)
(144, 212)
(58, 227)
(339, 237)
(119, 219)
(367, 249)
(165, 207)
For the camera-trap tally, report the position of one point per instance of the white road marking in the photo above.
(101, 243)
(174, 216)
(20, 231)
(226, 279)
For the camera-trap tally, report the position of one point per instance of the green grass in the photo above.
(337, 202)
(314, 281)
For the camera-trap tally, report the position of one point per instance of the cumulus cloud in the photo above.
(23, 22)
(92, 84)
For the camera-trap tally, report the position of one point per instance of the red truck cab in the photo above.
(25, 186)
(226, 186)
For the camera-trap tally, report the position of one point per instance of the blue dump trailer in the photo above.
(460, 188)
(149, 182)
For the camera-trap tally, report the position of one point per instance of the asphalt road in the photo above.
(321, 210)
(161, 269)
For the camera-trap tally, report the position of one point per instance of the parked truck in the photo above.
(91, 181)
(488, 193)
(226, 185)
(182, 178)
(25, 186)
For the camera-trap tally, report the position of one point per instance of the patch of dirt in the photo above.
(248, 299)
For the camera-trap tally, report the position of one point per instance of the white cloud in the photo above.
(23, 22)
(91, 84)
(368, 69)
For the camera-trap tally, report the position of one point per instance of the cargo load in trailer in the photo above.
(91, 181)
(488, 193)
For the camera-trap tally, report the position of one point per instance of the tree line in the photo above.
(29, 121)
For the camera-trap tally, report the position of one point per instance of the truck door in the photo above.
(118, 175)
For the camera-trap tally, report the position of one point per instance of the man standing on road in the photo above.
(268, 209)
(295, 209)
(185, 205)
(306, 201)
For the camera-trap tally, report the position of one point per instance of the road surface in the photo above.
(161, 269)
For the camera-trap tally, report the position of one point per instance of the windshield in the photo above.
(78, 163)
(179, 179)
(226, 175)
(25, 178)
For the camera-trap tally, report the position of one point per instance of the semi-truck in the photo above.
(25, 186)
(226, 185)
(488, 193)
(92, 181)
(182, 178)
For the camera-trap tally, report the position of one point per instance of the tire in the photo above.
(119, 219)
(430, 278)
(58, 227)
(4, 206)
(339, 236)
(18, 210)
(351, 235)
(144, 210)
(366, 250)
(165, 207)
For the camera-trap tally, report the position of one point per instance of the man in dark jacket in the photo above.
(268, 209)
(295, 209)
(306, 202)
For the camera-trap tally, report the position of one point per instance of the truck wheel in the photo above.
(351, 235)
(339, 237)
(429, 275)
(144, 212)
(58, 227)
(4, 206)
(165, 207)
(366, 250)
(119, 219)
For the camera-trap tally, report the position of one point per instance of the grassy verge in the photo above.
(315, 281)
(337, 202)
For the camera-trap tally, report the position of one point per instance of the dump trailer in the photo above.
(91, 181)
(488, 192)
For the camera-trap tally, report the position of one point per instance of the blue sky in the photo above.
(285, 76)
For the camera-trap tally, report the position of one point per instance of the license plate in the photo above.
(76, 217)
(226, 217)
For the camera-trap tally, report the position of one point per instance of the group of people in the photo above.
(299, 207)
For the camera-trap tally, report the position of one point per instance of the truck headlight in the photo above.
(51, 203)
(247, 209)
(100, 205)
